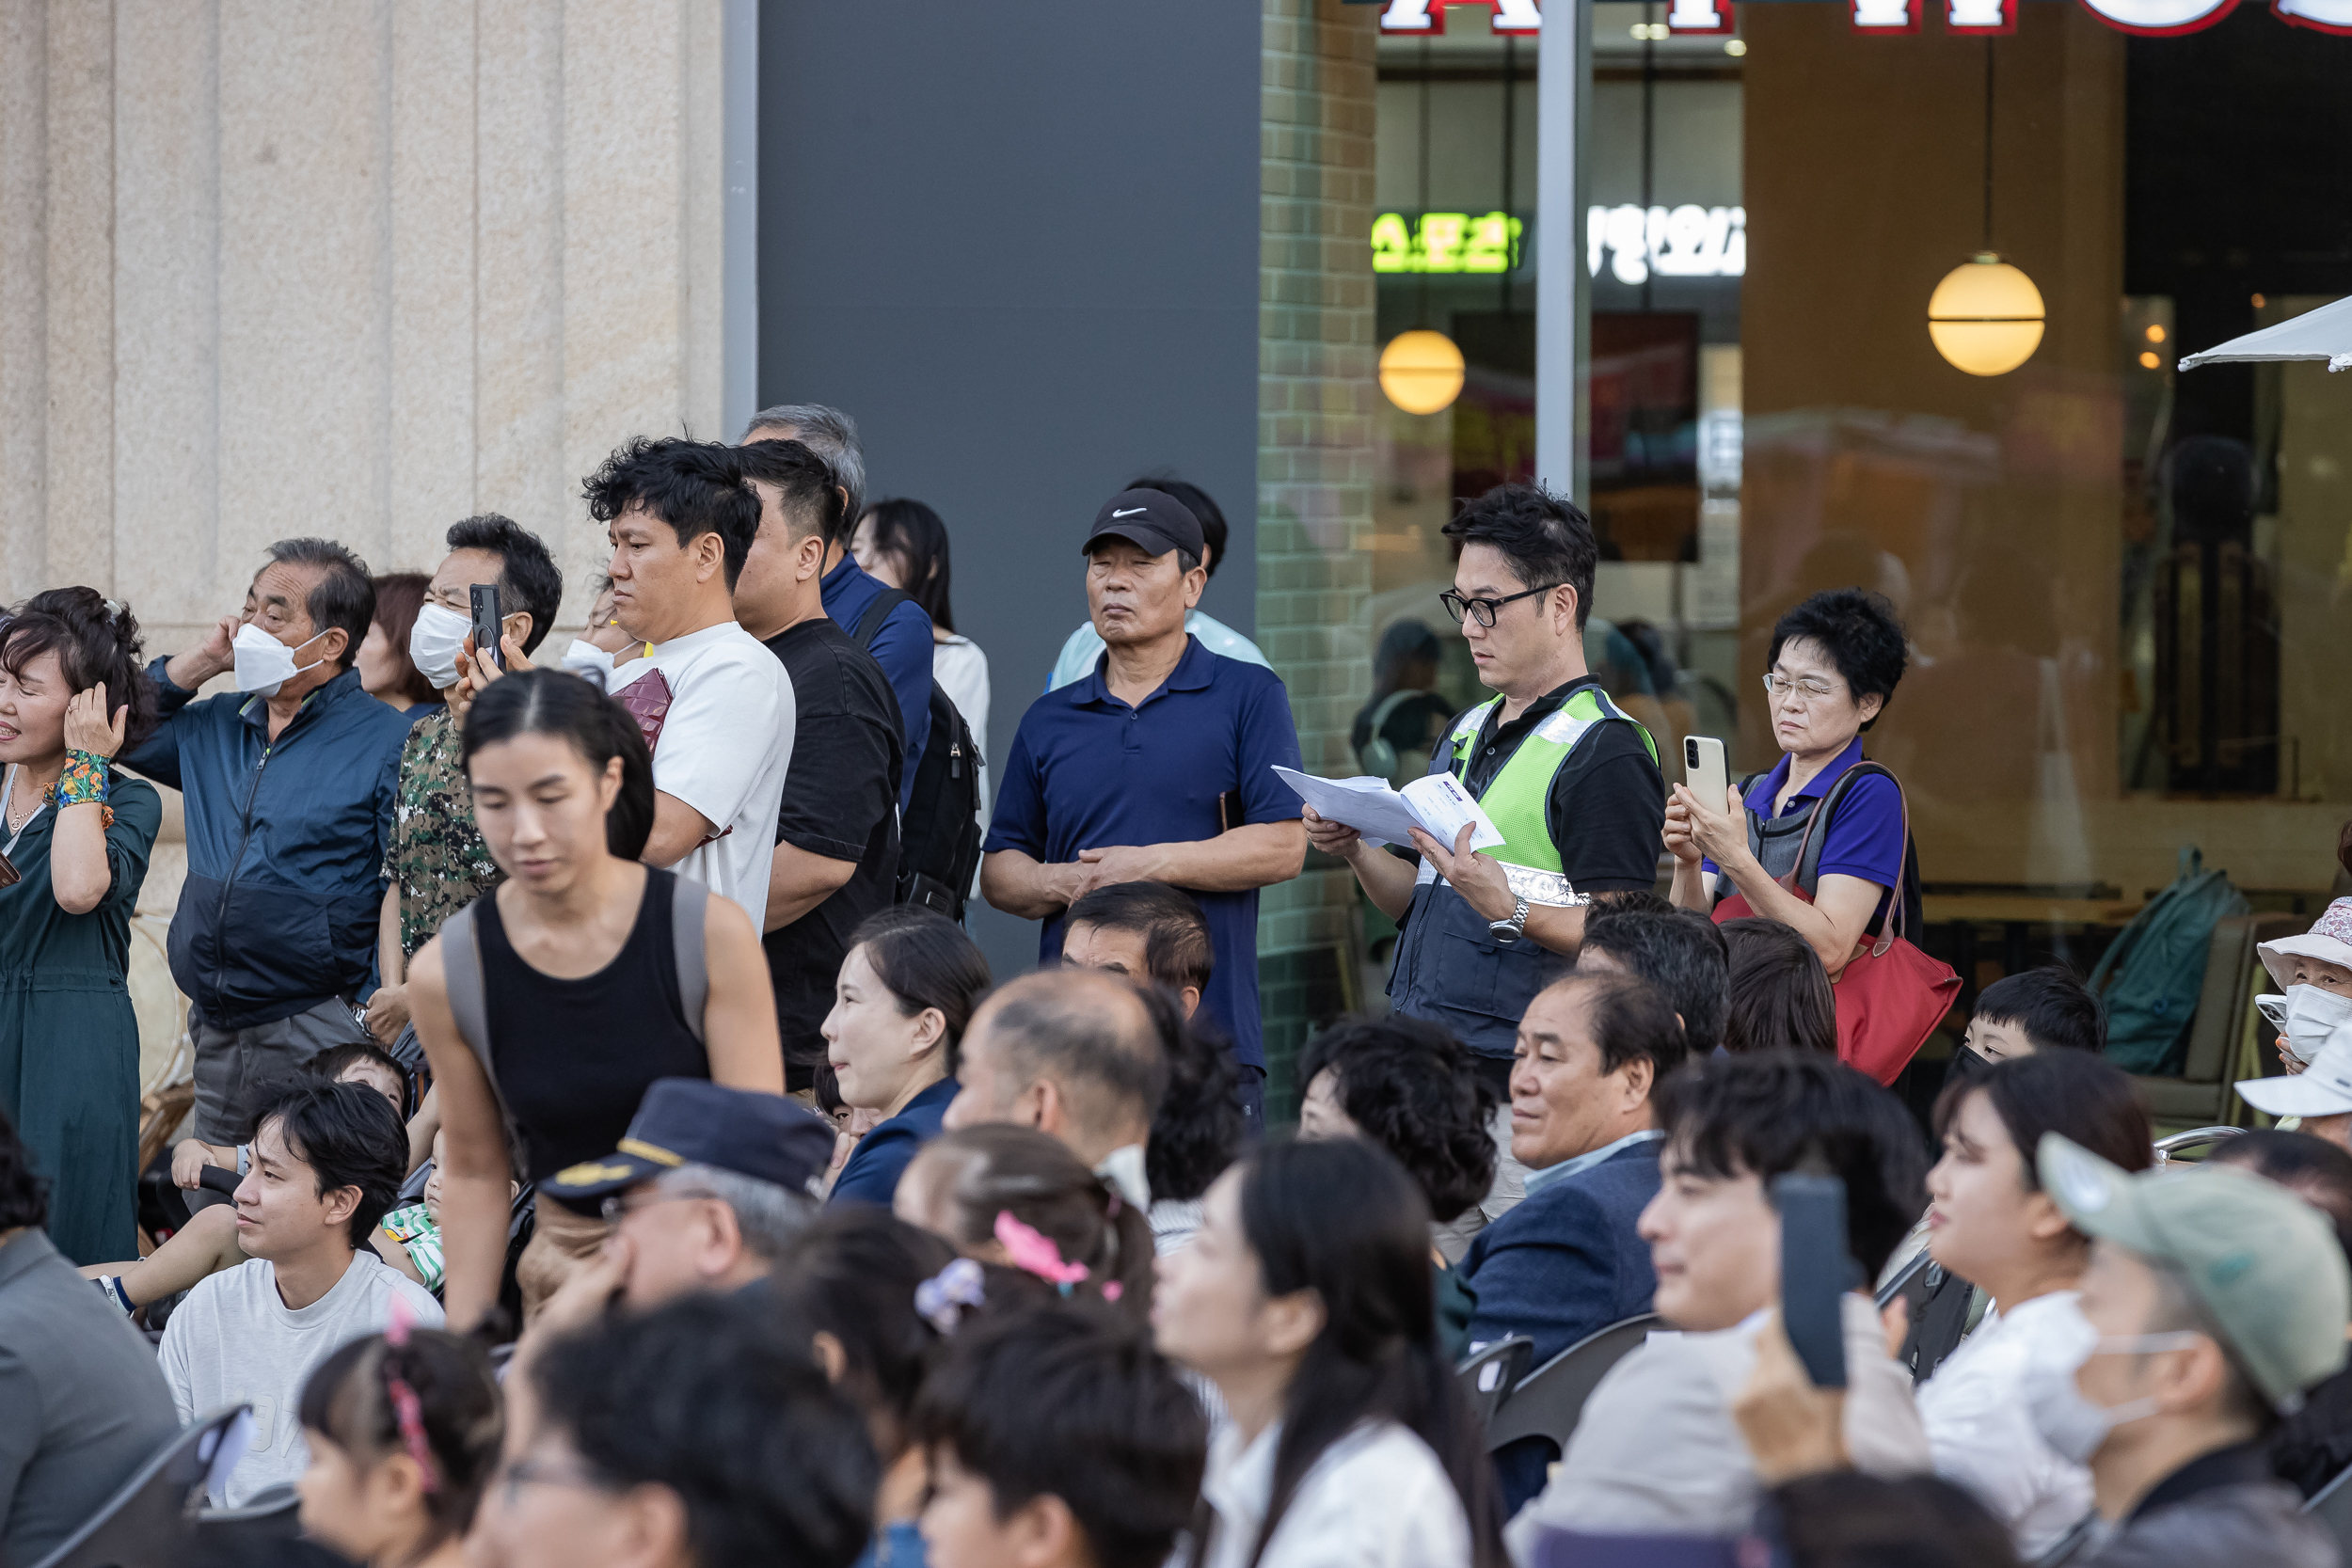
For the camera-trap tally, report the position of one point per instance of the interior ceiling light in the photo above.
(1986, 316)
(1421, 371)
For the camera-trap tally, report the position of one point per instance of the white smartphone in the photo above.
(1703, 769)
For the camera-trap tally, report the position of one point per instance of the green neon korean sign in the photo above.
(1446, 242)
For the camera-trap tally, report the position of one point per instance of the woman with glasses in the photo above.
(1835, 659)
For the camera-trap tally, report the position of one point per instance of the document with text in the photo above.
(1436, 803)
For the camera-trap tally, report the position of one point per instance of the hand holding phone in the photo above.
(487, 636)
(1703, 769)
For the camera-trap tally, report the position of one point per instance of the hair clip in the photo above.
(941, 1300)
(114, 611)
(1034, 1253)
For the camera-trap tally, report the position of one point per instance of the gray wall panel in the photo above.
(1018, 240)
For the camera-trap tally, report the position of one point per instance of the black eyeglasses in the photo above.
(1484, 609)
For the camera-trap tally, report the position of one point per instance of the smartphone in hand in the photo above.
(1703, 769)
(485, 623)
(1815, 1272)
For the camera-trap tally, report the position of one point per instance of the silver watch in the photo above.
(1507, 932)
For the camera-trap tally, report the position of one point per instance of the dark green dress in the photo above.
(68, 1038)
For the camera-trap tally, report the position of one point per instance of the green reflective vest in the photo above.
(1518, 798)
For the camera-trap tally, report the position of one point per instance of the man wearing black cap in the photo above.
(1157, 767)
(704, 1193)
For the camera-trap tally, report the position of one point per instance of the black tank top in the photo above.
(573, 1057)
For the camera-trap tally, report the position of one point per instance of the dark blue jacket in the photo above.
(871, 1175)
(1565, 1262)
(286, 845)
(902, 645)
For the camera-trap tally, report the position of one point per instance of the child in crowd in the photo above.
(207, 1242)
(1016, 1198)
(404, 1432)
(1056, 1438)
(326, 1163)
(2042, 1010)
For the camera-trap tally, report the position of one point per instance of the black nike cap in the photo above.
(1151, 519)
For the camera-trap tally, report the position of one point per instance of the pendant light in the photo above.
(1421, 371)
(1986, 316)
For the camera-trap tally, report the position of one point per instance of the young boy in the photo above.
(2043, 1009)
(1058, 1438)
(326, 1162)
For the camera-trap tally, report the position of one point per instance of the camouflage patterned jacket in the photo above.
(439, 860)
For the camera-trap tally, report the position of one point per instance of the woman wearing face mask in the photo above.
(906, 989)
(2314, 971)
(1305, 1298)
(76, 839)
(554, 1002)
(388, 671)
(1991, 1223)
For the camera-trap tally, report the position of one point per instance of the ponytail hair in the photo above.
(421, 1392)
(555, 701)
(1341, 1217)
(989, 1174)
(96, 639)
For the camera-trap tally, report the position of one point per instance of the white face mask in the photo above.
(2068, 1421)
(265, 663)
(437, 642)
(589, 662)
(2313, 1015)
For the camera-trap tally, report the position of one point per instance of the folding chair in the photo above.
(1550, 1401)
(273, 1513)
(1488, 1377)
(2331, 1505)
(146, 1524)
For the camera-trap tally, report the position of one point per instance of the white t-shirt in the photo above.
(1982, 1433)
(723, 749)
(962, 671)
(235, 1341)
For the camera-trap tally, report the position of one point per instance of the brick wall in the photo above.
(1316, 384)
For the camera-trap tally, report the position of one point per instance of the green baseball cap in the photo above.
(2263, 1264)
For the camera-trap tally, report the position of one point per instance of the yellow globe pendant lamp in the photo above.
(1986, 316)
(1421, 371)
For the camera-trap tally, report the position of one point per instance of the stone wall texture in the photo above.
(356, 270)
(1316, 383)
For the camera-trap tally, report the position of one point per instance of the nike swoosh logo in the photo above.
(1131, 512)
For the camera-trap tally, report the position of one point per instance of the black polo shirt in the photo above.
(1607, 805)
(841, 801)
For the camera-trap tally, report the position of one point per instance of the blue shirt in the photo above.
(902, 646)
(882, 1155)
(1865, 839)
(1088, 772)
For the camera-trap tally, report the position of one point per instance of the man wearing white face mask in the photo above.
(289, 785)
(2213, 1298)
(2315, 970)
(438, 864)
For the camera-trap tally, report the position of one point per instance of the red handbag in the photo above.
(1890, 995)
(647, 699)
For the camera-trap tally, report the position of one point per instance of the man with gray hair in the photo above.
(274, 940)
(902, 640)
(705, 1192)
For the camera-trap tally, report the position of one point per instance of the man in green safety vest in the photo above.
(1570, 781)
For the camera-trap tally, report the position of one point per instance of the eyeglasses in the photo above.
(1777, 686)
(619, 1205)
(1455, 605)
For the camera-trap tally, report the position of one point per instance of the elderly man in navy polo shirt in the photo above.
(1157, 767)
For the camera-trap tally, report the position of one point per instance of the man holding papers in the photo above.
(1565, 776)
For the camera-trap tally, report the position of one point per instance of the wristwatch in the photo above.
(1507, 933)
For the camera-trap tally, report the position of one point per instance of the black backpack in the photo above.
(939, 837)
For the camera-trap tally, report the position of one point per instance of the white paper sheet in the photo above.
(1436, 803)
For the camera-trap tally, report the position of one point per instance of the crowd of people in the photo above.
(609, 1148)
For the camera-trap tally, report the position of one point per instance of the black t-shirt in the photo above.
(841, 801)
(1608, 804)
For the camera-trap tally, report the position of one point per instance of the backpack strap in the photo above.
(690, 910)
(878, 610)
(1807, 869)
(461, 972)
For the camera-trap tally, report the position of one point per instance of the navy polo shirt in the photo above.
(1088, 772)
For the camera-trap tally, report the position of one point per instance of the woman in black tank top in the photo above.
(586, 975)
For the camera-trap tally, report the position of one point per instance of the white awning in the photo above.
(2321, 334)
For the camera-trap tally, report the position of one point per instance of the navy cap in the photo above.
(1153, 518)
(693, 1121)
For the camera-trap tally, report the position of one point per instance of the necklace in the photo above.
(18, 818)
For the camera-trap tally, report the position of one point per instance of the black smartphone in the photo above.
(485, 623)
(1815, 1272)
